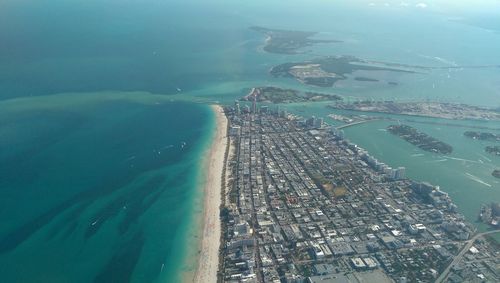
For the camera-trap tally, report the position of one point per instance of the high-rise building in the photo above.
(338, 133)
(394, 174)
(254, 104)
(235, 131)
(400, 173)
(311, 121)
(237, 107)
(341, 134)
(283, 114)
(318, 123)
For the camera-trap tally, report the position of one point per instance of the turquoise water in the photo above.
(100, 189)
(88, 93)
(465, 174)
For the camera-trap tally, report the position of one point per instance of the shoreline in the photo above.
(207, 261)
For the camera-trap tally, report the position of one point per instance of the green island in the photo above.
(444, 110)
(495, 150)
(496, 173)
(482, 136)
(288, 41)
(281, 95)
(325, 72)
(421, 140)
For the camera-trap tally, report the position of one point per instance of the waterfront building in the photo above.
(235, 131)
(237, 107)
(400, 173)
(311, 121)
(318, 123)
(254, 105)
(283, 114)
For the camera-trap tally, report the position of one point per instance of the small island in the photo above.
(325, 72)
(288, 41)
(444, 110)
(281, 95)
(495, 150)
(496, 173)
(421, 140)
(482, 136)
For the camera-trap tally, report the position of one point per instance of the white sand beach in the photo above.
(210, 239)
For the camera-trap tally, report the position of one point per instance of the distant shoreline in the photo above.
(209, 241)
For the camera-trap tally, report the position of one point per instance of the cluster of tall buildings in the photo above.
(314, 122)
(306, 206)
(338, 133)
(254, 108)
(391, 173)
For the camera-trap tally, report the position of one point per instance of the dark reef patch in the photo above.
(121, 266)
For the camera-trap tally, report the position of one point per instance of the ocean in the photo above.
(101, 140)
(100, 189)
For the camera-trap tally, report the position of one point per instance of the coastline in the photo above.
(209, 240)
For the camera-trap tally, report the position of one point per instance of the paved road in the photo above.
(464, 250)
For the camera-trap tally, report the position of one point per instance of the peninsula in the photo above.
(282, 95)
(305, 205)
(421, 140)
(324, 72)
(288, 41)
(425, 109)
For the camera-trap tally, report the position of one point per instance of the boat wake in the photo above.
(436, 161)
(461, 159)
(131, 158)
(487, 159)
(445, 61)
(476, 179)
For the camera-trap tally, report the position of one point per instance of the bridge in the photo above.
(357, 123)
(458, 257)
